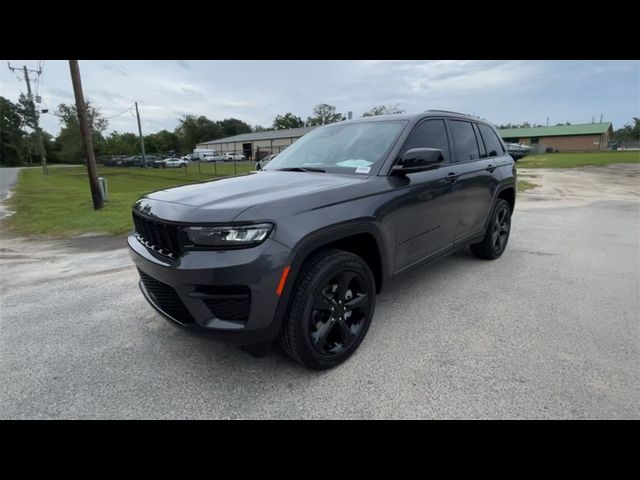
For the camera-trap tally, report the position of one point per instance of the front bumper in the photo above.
(182, 289)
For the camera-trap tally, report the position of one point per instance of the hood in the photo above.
(223, 199)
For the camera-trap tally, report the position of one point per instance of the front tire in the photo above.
(330, 311)
(496, 237)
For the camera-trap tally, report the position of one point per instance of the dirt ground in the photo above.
(578, 186)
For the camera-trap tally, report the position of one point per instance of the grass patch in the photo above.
(60, 205)
(573, 160)
(524, 185)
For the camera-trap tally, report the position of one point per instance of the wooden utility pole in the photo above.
(36, 124)
(144, 157)
(85, 132)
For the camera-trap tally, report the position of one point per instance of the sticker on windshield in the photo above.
(363, 169)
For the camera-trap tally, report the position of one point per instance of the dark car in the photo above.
(299, 251)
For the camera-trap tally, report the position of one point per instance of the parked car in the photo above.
(231, 156)
(203, 154)
(298, 252)
(260, 164)
(176, 163)
(518, 151)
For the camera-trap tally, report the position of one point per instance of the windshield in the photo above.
(349, 148)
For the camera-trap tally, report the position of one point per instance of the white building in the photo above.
(270, 141)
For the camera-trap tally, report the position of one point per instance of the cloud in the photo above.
(257, 91)
(118, 69)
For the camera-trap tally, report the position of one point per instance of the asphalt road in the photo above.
(550, 330)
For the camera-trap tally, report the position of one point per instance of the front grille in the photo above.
(159, 237)
(166, 298)
(228, 302)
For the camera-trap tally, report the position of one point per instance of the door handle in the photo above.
(453, 176)
(490, 168)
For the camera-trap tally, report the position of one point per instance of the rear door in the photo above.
(476, 163)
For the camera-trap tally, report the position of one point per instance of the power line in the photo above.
(124, 111)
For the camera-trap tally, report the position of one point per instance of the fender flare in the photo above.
(317, 239)
(501, 188)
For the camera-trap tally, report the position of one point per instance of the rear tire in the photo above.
(330, 311)
(496, 237)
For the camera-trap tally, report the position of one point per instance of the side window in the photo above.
(492, 142)
(429, 134)
(464, 140)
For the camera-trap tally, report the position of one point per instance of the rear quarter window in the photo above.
(491, 141)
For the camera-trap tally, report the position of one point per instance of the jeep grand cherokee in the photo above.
(298, 251)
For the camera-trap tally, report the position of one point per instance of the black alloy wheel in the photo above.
(496, 237)
(339, 312)
(330, 309)
(500, 229)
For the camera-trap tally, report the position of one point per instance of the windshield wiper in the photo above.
(301, 169)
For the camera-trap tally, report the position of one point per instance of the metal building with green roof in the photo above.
(582, 137)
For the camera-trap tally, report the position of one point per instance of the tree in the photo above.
(32, 146)
(69, 142)
(630, 132)
(324, 114)
(193, 130)
(27, 111)
(68, 115)
(259, 128)
(11, 133)
(161, 142)
(383, 110)
(288, 120)
(233, 126)
(122, 144)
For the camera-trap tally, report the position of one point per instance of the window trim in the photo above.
(479, 141)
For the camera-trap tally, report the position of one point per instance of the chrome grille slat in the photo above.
(158, 236)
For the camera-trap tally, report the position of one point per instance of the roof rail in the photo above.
(448, 111)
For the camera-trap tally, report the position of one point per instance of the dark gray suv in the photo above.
(297, 252)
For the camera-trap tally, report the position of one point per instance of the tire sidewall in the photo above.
(308, 353)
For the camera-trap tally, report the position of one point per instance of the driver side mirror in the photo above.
(418, 160)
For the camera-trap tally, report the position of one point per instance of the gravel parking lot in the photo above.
(550, 330)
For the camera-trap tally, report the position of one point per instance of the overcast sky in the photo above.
(256, 91)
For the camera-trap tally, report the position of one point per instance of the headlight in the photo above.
(239, 236)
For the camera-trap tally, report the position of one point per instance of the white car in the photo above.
(175, 162)
(231, 156)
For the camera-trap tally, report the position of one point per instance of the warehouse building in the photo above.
(583, 137)
(268, 142)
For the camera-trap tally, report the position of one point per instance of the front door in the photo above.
(427, 211)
